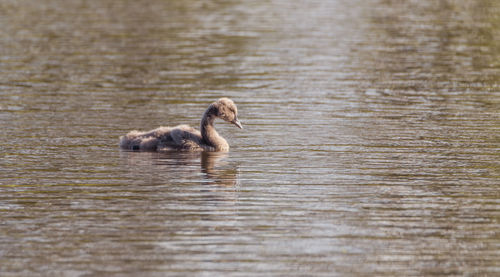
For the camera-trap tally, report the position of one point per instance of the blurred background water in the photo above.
(371, 141)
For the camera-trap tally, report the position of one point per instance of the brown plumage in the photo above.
(184, 137)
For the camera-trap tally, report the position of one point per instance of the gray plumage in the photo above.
(184, 137)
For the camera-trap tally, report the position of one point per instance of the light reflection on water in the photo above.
(370, 144)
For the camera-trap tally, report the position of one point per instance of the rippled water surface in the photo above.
(371, 142)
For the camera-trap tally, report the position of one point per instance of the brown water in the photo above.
(371, 142)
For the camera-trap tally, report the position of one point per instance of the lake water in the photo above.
(371, 142)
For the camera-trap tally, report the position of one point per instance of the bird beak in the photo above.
(237, 123)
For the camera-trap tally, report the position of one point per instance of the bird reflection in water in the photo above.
(217, 170)
(213, 167)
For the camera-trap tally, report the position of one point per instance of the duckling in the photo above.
(184, 137)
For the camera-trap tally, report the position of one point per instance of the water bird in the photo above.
(184, 137)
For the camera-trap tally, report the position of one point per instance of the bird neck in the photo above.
(208, 132)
